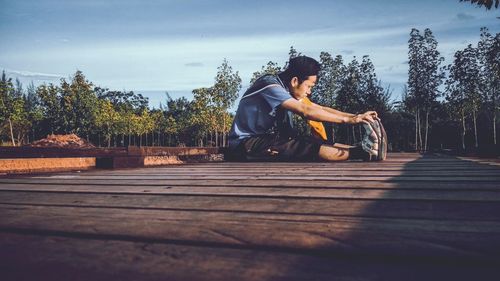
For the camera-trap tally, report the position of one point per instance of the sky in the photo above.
(176, 45)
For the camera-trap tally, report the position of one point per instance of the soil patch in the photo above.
(66, 141)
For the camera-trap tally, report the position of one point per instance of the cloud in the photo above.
(463, 16)
(194, 64)
(32, 75)
(347, 52)
(27, 77)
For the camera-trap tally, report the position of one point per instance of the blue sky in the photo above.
(177, 45)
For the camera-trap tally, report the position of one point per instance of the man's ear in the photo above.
(294, 82)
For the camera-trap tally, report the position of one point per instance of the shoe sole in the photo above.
(372, 147)
(382, 136)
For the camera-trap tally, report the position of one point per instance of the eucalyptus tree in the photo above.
(424, 78)
(223, 95)
(462, 87)
(489, 59)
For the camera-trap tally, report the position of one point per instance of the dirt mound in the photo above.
(66, 141)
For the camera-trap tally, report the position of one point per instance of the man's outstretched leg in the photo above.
(373, 146)
(342, 152)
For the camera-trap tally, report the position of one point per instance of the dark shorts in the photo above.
(273, 148)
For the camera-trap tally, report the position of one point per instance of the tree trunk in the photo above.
(426, 129)
(463, 130)
(216, 138)
(416, 130)
(494, 127)
(475, 128)
(421, 146)
(223, 131)
(12, 133)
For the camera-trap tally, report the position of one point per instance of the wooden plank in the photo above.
(56, 258)
(50, 152)
(222, 191)
(149, 185)
(317, 173)
(433, 209)
(286, 177)
(408, 238)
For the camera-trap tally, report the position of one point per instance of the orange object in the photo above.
(317, 127)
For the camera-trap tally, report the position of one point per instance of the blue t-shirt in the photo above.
(256, 114)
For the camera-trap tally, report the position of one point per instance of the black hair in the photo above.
(301, 67)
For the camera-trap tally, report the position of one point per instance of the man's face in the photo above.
(302, 90)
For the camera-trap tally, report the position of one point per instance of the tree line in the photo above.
(450, 106)
(116, 118)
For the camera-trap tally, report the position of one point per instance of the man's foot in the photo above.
(370, 142)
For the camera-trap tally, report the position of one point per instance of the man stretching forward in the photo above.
(252, 136)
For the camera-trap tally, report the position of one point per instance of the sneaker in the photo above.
(370, 142)
(382, 137)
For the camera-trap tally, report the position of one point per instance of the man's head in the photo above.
(300, 76)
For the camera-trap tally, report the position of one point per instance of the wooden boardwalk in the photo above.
(408, 218)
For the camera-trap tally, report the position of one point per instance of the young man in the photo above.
(253, 136)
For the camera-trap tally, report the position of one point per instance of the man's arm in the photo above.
(341, 113)
(318, 113)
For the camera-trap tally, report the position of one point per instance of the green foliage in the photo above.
(270, 68)
(488, 4)
(78, 101)
(14, 119)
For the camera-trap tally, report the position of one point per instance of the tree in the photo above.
(106, 119)
(178, 114)
(463, 87)
(32, 106)
(348, 98)
(78, 104)
(328, 85)
(488, 4)
(270, 68)
(373, 96)
(51, 107)
(6, 104)
(224, 93)
(204, 115)
(424, 79)
(12, 112)
(489, 59)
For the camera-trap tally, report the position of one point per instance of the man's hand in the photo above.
(367, 117)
